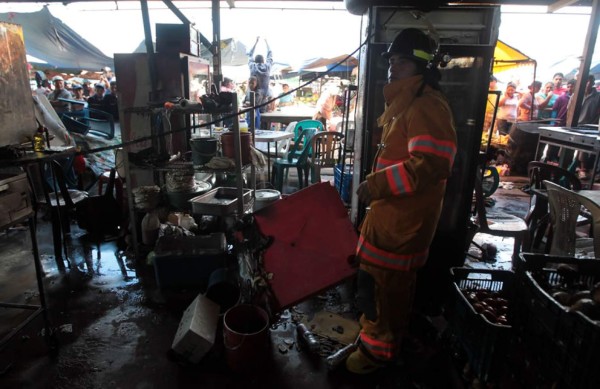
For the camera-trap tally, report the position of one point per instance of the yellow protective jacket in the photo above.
(408, 181)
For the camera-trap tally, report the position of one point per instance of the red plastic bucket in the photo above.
(245, 337)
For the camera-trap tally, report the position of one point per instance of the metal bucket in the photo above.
(203, 149)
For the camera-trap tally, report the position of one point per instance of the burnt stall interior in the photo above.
(467, 35)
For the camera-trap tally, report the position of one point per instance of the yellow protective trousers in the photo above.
(385, 297)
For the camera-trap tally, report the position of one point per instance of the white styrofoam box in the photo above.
(197, 329)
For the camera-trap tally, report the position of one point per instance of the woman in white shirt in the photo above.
(507, 109)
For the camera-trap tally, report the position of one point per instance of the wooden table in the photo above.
(583, 139)
(267, 136)
(285, 116)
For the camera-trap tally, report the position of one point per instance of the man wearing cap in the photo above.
(97, 100)
(78, 95)
(405, 192)
(59, 92)
(259, 68)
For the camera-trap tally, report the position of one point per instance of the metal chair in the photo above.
(326, 151)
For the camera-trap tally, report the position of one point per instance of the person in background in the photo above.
(287, 99)
(227, 85)
(589, 114)
(87, 88)
(43, 86)
(527, 101)
(549, 98)
(106, 77)
(559, 111)
(260, 68)
(325, 106)
(507, 109)
(110, 101)
(97, 100)
(559, 88)
(78, 95)
(253, 86)
(405, 193)
(562, 103)
(59, 92)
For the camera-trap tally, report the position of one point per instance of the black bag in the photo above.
(100, 215)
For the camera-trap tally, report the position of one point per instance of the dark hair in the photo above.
(493, 78)
(558, 74)
(591, 78)
(571, 82)
(259, 59)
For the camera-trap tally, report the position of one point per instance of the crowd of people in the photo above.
(271, 95)
(101, 96)
(546, 103)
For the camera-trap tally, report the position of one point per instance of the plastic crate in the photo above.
(484, 342)
(565, 343)
(346, 184)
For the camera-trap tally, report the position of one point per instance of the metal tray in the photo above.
(219, 201)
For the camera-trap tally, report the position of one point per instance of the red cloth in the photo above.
(79, 164)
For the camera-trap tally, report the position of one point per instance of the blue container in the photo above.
(346, 182)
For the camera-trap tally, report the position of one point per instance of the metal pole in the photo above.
(237, 147)
(149, 48)
(216, 44)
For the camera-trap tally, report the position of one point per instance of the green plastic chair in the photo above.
(281, 166)
(301, 126)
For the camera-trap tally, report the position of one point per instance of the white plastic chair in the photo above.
(282, 146)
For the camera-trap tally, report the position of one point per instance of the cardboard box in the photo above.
(197, 329)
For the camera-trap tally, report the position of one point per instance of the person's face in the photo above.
(510, 91)
(286, 88)
(59, 84)
(570, 88)
(401, 68)
(589, 86)
(557, 81)
(548, 87)
(252, 84)
(113, 88)
(100, 91)
(78, 92)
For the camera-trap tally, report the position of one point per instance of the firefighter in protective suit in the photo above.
(405, 192)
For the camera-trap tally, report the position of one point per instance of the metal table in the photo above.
(16, 189)
(285, 116)
(583, 139)
(266, 136)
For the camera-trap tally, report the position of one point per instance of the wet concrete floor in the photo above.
(114, 327)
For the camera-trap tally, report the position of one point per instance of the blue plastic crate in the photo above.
(346, 184)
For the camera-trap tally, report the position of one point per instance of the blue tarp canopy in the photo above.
(50, 40)
(341, 63)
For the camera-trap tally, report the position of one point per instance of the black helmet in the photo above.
(413, 44)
